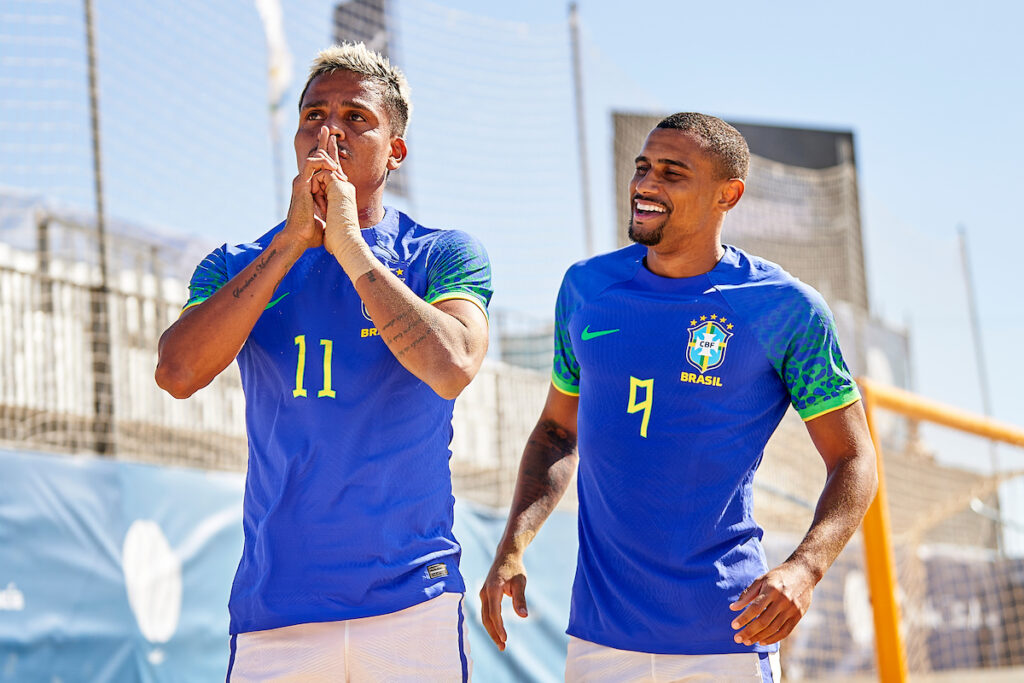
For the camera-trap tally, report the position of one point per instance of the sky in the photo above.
(932, 92)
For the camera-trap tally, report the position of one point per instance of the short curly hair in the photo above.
(725, 144)
(359, 59)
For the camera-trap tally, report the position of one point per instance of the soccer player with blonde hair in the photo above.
(354, 328)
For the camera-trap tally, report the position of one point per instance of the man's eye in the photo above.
(640, 170)
(357, 117)
(314, 116)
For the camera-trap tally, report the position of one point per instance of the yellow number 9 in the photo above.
(648, 386)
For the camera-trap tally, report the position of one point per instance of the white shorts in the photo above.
(592, 662)
(426, 642)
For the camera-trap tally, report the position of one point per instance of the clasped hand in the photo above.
(323, 203)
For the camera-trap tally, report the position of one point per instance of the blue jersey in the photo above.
(348, 503)
(681, 382)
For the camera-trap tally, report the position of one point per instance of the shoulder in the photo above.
(593, 275)
(257, 246)
(751, 282)
(455, 240)
(412, 237)
(235, 257)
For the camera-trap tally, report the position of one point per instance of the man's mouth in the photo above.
(644, 209)
(342, 153)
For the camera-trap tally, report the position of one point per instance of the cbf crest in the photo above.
(709, 339)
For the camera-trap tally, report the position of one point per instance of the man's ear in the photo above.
(730, 193)
(398, 153)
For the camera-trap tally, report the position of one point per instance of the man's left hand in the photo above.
(774, 604)
(342, 226)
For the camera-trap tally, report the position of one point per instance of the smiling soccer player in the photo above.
(675, 360)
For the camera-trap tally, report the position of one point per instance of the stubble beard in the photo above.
(647, 239)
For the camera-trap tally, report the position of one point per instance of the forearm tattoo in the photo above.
(260, 267)
(411, 325)
(540, 476)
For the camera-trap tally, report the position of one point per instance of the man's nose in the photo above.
(646, 185)
(334, 127)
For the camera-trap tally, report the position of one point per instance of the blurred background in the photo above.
(136, 137)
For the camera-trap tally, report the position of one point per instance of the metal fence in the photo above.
(76, 376)
(77, 357)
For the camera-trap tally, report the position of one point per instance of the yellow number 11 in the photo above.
(300, 368)
(648, 386)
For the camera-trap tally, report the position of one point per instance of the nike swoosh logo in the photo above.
(588, 335)
(275, 301)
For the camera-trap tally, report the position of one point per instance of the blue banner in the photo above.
(115, 571)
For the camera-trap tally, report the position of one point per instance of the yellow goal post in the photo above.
(877, 528)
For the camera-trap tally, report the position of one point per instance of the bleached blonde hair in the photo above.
(359, 59)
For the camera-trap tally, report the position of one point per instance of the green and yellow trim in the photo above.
(190, 304)
(459, 295)
(563, 386)
(829, 406)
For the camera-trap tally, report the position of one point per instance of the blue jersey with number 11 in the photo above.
(681, 382)
(348, 502)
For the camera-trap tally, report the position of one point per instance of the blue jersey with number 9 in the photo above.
(681, 382)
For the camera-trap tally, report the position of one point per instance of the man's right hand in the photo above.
(307, 212)
(545, 471)
(507, 577)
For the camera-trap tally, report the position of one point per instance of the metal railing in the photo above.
(50, 366)
(881, 567)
